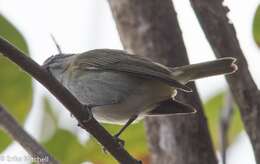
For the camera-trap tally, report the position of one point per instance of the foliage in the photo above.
(135, 143)
(65, 147)
(212, 110)
(15, 85)
(256, 26)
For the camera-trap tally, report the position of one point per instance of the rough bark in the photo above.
(150, 28)
(222, 38)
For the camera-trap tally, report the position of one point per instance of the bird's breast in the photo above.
(117, 96)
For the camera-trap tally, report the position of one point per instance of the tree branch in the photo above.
(11, 126)
(150, 28)
(68, 100)
(222, 37)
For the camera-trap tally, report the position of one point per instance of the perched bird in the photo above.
(121, 87)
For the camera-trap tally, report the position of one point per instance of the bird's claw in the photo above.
(88, 111)
(118, 140)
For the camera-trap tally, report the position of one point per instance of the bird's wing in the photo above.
(117, 60)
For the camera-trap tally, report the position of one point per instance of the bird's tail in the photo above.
(191, 72)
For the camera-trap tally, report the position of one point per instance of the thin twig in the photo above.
(225, 119)
(11, 126)
(68, 100)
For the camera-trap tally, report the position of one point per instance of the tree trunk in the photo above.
(150, 28)
(222, 37)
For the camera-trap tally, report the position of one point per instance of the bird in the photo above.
(122, 88)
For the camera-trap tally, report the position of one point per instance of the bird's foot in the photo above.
(87, 111)
(118, 140)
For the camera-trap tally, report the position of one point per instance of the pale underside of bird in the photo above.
(120, 86)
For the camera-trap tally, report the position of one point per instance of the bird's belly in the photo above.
(145, 98)
(101, 87)
(117, 96)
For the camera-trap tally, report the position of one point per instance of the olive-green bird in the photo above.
(122, 88)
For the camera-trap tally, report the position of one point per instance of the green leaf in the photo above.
(4, 140)
(64, 146)
(135, 143)
(212, 110)
(49, 122)
(256, 26)
(15, 85)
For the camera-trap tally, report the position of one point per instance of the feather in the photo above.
(120, 61)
